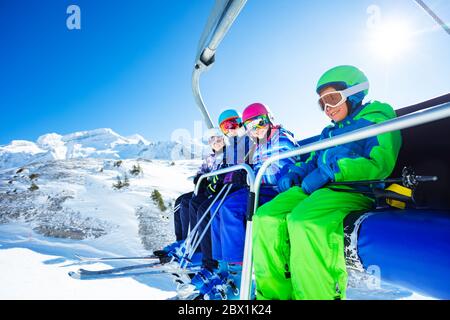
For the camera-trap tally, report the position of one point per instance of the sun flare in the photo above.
(391, 40)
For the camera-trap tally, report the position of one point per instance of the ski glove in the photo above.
(288, 180)
(228, 178)
(315, 180)
(292, 168)
(210, 189)
(214, 186)
(196, 178)
(236, 177)
(203, 184)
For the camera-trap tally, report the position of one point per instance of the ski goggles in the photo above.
(259, 122)
(216, 139)
(230, 124)
(335, 98)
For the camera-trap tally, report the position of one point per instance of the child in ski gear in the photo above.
(230, 124)
(238, 143)
(228, 227)
(183, 219)
(298, 237)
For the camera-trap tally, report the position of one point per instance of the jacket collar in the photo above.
(350, 117)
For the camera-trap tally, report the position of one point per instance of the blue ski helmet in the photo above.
(229, 114)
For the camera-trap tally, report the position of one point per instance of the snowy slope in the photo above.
(75, 210)
(27, 274)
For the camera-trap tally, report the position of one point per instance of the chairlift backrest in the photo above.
(426, 148)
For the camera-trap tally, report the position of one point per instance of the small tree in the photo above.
(158, 200)
(136, 170)
(121, 184)
(33, 176)
(126, 181)
(118, 163)
(33, 187)
(118, 184)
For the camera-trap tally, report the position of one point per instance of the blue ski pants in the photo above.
(228, 226)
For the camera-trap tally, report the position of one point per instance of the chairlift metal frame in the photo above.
(220, 21)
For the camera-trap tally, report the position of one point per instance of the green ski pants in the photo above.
(298, 244)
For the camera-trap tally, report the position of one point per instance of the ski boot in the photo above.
(224, 288)
(218, 292)
(234, 280)
(202, 282)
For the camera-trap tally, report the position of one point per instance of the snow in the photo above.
(22, 146)
(137, 138)
(77, 211)
(26, 274)
(53, 142)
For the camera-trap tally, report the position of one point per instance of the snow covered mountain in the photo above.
(99, 143)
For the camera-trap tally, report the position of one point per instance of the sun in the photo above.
(391, 40)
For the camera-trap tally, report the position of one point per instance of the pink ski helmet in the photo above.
(254, 110)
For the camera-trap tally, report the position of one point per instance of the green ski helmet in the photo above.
(343, 77)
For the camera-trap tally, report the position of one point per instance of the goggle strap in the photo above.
(355, 89)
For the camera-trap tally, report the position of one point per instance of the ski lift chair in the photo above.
(411, 247)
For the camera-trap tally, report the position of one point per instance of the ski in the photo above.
(89, 259)
(120, 269)
(155, 266)
(94, 276)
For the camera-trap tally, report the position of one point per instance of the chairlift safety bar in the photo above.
(246, 167)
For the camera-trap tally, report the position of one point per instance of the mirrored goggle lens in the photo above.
(331, 99)
(215, 139)
(229, 125)
(257, 123)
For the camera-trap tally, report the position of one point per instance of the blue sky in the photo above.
(129, 67)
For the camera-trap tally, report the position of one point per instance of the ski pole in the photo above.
(188, 255)
(413, 179)
(176, 208)
(377, 193)
(191, 245)
(172, 212)
(409, 179)
(191, 233)
(195, 246)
